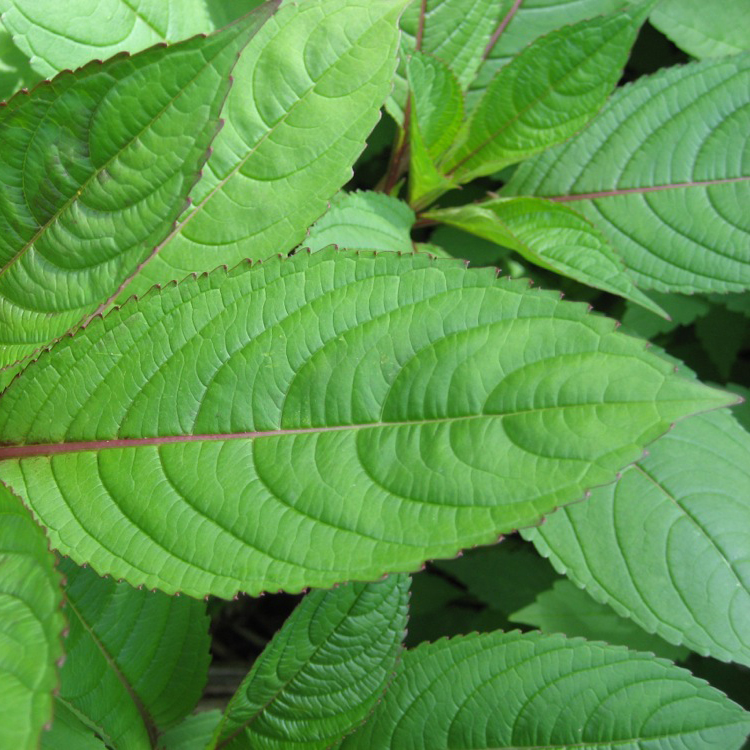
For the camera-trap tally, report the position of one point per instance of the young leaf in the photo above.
(15, 71)
(32, 625)
(666, 545)
(194, 732)
(544, 691)
(519, 24)
(136, 661)
(437, 111)
(319, 418)
(564, 608)
(364, 221)
(454, 31)
(658, 167)
(57, 38)
(306, 94)
(550, 91)
(323, 672)
(552, 236)
(723, 31)
(95, 168)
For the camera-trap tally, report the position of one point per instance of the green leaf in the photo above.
(319, 418)
(70, 731)
(667, 545)
(520, 23)
(723, 31)
(58, 36)
(682, 310)
(546, 94)
(364, 221)
(552, 236)
(541, 691)
(136, 661)
(436, 114)
(454, 31)
(566, 609)
(307, 92)
(32, 625)
(323, 672)
(95, 168)
(15, 71)
(506, 576)
(661, 165)
(194, 732)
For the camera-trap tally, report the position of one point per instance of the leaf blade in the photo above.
(649, 190)
(695, 470)
(546, 691)
(293, 421)
(30, 647)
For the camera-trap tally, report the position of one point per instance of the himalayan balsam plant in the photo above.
(254, 339)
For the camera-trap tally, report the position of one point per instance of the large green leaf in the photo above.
(58, 36)
(564, 608)
(667, 545)
(70, 731)
(552, 236)
(95, 168)
(520, 23)
(322, 674)
(136, 661)
(363, 221)
(545, 692)
(195, 732)
(664, 171)
(31, 625)
(454, 31)
(307, 92)
(325, 417)
(722, 31)
(546, 94)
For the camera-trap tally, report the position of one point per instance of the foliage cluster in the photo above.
(243, 352)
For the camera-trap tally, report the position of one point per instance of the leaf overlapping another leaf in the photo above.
(32, 625)
(687, 579)
(136, 661)
(535, 691)
(664, 171)
(319, 418)
(324, 671)
(95, 168)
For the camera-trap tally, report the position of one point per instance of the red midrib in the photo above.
(640, 190)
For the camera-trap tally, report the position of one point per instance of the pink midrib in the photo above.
(641, 190)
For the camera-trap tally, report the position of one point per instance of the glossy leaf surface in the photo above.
(687, 579)
(58, 36)
(664, 171)
(31, 625)
(552, 236)
(95, 168)
(322, 674)
(317, 419)
(306, 94)
(136, 661)
(547, 93)
(565, 608)
(363, 221)
(520, 22)
(537, 691)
